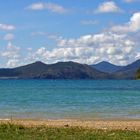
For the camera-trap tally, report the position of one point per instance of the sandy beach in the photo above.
(90, 124)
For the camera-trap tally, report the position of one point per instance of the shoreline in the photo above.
(117, 124)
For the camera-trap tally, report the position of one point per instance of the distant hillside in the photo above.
(127, 72)
(138, 74)
(61, 70)
(106, 67)
(71, 70)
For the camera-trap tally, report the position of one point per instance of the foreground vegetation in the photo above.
(138, 74)
(17, 132)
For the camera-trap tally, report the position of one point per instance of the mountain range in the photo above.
(106, 67)
(71, 70)
(60, 70)
(119, 72)
(128, 72)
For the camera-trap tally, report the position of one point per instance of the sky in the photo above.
(84, 31)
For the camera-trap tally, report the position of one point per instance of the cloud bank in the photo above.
(118, 45)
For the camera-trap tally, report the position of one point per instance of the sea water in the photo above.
(70, 99)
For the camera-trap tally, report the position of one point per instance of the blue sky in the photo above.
(85, 31)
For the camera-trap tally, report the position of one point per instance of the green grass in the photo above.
(17, 132)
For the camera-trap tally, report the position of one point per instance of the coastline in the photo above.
(119, 124)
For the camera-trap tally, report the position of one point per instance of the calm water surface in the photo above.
(62, 99)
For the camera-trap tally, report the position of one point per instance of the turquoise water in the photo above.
(63, 99)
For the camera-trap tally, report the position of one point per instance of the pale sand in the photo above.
(91, 124)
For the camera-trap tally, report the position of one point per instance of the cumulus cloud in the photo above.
(7, 27)
(12, 63)
(11, 54)
(138, 55)
(11, 51)
(115, 45)
(79, 54)
(55, 8)
(108, 7)
(93, 48)
(132, 26)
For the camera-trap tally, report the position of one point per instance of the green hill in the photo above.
(60, 70)
(69, 70)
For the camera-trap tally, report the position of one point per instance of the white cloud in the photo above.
(119, 49)
(108, 7)
(138, 55)
(79, 54)
(9, 37)
(37, 6)
(109, 46)
(115, 45)
(132, 26)
(55, 8)
(7, 27)
(12, 63)
(11, 54)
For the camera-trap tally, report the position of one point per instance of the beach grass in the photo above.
(19, 132)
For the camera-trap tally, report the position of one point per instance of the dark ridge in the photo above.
(70, 70)
(60, 70)
(128, 72)
(106, 67)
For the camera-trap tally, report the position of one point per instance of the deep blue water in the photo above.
(62, 99)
